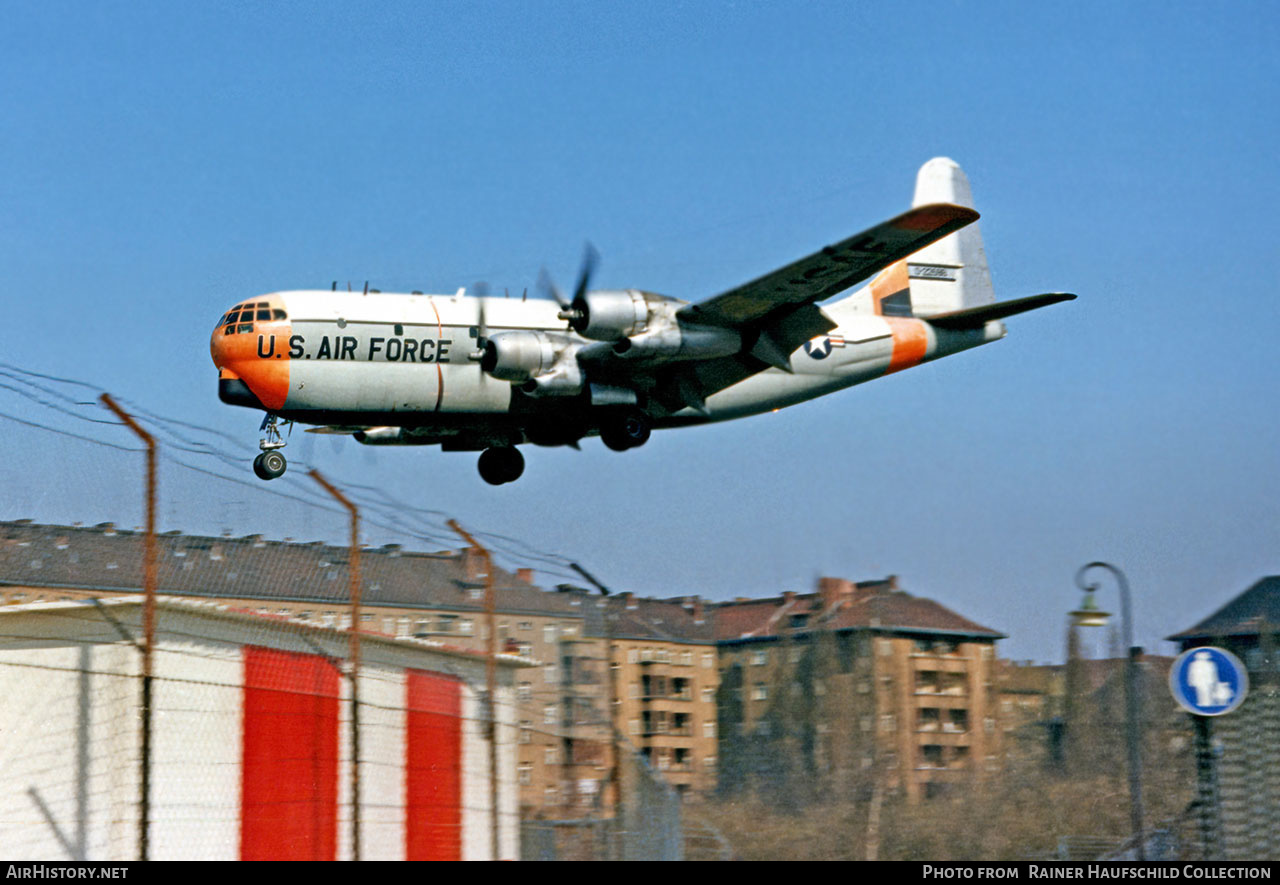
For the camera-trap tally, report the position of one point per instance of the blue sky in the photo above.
(163, 161)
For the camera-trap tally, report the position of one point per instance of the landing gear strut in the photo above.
(271, 464)
(626, 430)
(501, 464)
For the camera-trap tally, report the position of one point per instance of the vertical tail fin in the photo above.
(952, 273)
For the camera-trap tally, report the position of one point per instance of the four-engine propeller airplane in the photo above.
(479, 373)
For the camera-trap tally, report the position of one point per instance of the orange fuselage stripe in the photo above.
(910, 343)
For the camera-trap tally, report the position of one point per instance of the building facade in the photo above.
(854, 688)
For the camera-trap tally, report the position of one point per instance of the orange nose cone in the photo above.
(250, 348)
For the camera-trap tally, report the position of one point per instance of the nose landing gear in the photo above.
(271, 463)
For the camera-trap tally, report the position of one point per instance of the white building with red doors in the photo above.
(251, 739)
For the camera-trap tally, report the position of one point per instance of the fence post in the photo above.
(148, 624)
(354, 632)
(490, 678)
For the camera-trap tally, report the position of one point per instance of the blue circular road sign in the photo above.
(1208, 681)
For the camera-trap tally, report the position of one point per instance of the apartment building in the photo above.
(563, 730)
(856, 687)
(663, 657)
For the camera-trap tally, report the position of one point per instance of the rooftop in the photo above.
(1246, 615)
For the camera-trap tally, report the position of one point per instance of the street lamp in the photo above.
(1089, 615)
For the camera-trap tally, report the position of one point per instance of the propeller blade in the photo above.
(589, 259)
(547, 287)
(482, 328)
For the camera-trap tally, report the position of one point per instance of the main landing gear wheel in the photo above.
(500, 465)
(629, 430)
(270, 465)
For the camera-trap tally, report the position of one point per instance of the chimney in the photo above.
(629, 602)
(833, 591)
(788, 597)
(693, 605)
(892, 581)
(472, 564)
(525, 574)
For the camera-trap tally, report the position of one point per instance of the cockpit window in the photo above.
(244, 327)
(278, 314)
(263, 314)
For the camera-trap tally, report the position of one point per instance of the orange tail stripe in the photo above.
(910, 343)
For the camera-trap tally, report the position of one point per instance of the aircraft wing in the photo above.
(831, 270)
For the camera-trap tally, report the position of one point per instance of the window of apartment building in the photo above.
(550, 756)
(569, 629)
(708, 660)
(466, 626)
(475, 593)
(989, 724)
(549, 633)
(550, 674)
(635, 689)
(957, 721)
(344, 622)
(524, 649)
(553, 795)
(885, 647)
(526, 731)
(865, 723)
(887, 722)
(447, 624)
(549, 714)
(686, 658)
(709, 763)
(664, 656)
(525, 691)
(422, 627)
(632, 656)
(708, 729)
(365, 617)
(709, 695)
(759, 658)
(635, 726)
(931, 756)
(928, 719)
(328, 619)
(525, 626)
(760, 692)
(402, 628)
(526, 773)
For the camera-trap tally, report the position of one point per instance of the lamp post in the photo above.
(1088, 615)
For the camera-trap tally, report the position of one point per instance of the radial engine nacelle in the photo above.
(519, 356)
(610, 315)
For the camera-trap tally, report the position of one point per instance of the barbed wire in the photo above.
(380, 508)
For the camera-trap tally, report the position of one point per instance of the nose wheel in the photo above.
(271, 463)
(500, 465)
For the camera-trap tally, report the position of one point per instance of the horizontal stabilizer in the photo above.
(977, 317)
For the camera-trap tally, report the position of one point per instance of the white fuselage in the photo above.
(352, 359)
